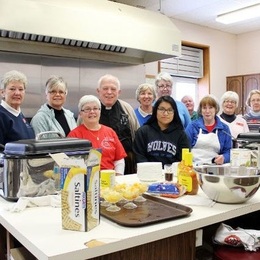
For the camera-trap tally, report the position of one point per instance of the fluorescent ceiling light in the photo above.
(239, 15)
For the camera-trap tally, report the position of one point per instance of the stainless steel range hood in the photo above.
(88, 29)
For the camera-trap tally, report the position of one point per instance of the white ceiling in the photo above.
(201, 12)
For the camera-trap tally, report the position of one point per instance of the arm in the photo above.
(140, 146)
(190, 132)
(226, 144)
(40, 123)
(183, 142)
(186, 115)
(119, 166)
(3, 128)
(70, 118)
(183, 113)
(134, 124)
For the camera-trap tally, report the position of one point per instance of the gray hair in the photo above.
(252, 92)
(144, 87)
(229, 95)
(88, 99)
(109, 77)
(163, 76)
(187, 96)
(56, 82)
(13, 75)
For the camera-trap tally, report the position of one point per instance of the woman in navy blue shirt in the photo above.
(13, 125)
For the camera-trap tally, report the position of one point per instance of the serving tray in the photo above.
(153, 210)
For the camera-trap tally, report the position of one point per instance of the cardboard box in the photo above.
(21, 253)
(80, 188)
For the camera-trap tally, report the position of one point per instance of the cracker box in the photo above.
(80, 187)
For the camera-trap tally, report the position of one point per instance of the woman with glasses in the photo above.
(101, 136)
(237, 124)
(253, 116)
(13, 125)
(164, 83)
(210, 138)
(52, 116)
(162, 137)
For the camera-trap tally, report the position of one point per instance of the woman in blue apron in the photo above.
(210, 138)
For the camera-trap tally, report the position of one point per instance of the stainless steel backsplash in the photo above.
(81, 76)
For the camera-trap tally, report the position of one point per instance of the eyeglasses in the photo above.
(164, 86)
(163, 110)
(54, 92)
(230, 101)
(88, 109)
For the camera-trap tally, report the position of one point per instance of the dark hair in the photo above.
(176, 119)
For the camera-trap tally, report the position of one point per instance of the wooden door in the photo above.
(235, 83)
(250, 82)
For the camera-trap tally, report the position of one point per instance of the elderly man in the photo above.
(118, 115)
(164, 84)
(189, 103)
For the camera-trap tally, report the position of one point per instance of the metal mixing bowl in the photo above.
(227, 184)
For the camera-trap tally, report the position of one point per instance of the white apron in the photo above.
(206, 148)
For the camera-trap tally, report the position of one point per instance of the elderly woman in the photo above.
(101, 136)
(52, 116)
(164, 85)
(253, 116)
(162, 138)
(13, 125)
(210, 138)
(229, 102)
(145, 95)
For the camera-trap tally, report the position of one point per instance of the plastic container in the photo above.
(188, 177)
(181, 164)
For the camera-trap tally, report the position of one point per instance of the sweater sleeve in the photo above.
(134, 124)
(226, 144)
(189, 130)
(186, 116)
(140, 146)
(40, 123)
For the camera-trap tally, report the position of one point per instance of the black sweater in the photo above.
(154, 145)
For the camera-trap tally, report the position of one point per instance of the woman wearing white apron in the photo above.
(210, 138)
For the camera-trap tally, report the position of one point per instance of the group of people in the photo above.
(155, 131)
(108, 122)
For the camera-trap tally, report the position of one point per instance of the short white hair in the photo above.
(163, 76)
(88, 99)
(109, 77)
(229, 95)
(13, 75)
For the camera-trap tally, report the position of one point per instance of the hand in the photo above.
(219, 159)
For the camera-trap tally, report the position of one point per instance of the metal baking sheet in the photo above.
(153, 210)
